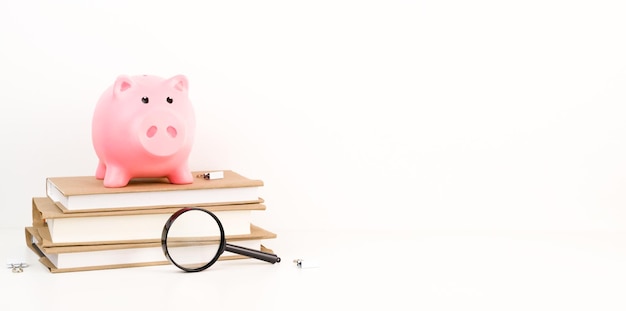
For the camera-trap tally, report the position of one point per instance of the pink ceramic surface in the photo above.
(143, 126)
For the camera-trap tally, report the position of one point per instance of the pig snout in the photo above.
(162, 133)
(153, 131)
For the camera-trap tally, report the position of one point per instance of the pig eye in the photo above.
(145, 100)
(170, 100)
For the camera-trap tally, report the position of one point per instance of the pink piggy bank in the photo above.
(143, 127)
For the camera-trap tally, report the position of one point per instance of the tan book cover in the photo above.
(99, 226)
(45, 208)
(112, 256)
(86, 193)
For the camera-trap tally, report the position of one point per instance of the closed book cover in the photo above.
(86, 193)
(105, 227)
(67, 258)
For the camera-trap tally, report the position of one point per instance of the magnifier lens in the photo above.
(193, 240)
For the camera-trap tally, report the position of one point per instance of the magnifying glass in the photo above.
(193, 239)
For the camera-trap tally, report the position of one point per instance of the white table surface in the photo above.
(421, 270)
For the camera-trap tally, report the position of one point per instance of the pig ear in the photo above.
(122, 84)
(179, 83)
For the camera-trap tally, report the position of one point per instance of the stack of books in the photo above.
(81, 225)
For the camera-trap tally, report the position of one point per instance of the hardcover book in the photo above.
(118, 225)
(86, 193)
(67, 258)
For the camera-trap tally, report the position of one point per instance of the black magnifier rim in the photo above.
(166, 230)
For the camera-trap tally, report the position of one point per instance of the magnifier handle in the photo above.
(267, 257)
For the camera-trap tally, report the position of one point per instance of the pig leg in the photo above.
(181, 176)
(101, 170)
(116, 177)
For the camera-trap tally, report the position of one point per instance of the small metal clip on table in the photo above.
(17, 267)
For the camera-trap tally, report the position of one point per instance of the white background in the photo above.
(464, 115)
(491, 134)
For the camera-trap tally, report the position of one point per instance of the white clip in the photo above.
(302, 264)
(212, 175)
